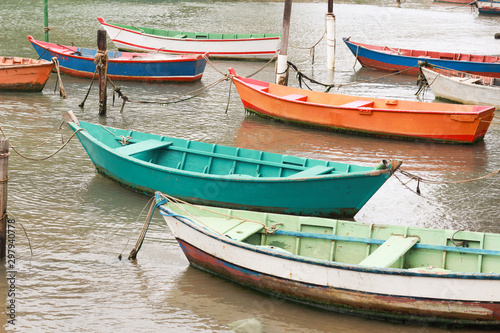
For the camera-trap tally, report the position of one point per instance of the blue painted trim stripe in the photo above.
(381, 241)
(319, 262)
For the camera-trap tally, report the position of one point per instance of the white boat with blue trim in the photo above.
(391, 272)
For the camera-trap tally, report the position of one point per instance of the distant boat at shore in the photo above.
(406, 60)
(463, 87)
(24, 74)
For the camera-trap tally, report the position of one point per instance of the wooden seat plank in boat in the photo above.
(295, 97)
(390, 251)
(243, 230)
(358, 104)
(314, 171)
(142, 146)
(234, 228)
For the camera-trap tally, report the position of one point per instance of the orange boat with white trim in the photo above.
(390, 118)
(24, 74)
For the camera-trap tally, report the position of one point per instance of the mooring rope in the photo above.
(418, 179)
(377, 78)
(175, 202)
(267, 63)
(28, 135)
(300, 76)
(310, 48)
(24, 229)
(62, 92)
(46, 157)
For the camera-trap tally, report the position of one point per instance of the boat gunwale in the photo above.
(480, 111)
(368, 47)
(326, 263)
(456, 79)
(373, 172)
(188, 57)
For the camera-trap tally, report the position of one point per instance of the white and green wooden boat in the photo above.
(215, 175)
(398, 273)
(219, 45)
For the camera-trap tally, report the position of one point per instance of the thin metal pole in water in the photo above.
(4, 173)
(330, 36)
(46, 19)
(282, 63)
(102, 69)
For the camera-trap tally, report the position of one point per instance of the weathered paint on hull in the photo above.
(409, 64)
(447, 85)
(372, 305)
(489, 7)
(338, 300)
(24, 77)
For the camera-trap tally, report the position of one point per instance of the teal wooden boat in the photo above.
(231, 177)
(398, 273)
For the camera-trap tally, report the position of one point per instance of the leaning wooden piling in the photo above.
(102, 66)
(4, 168)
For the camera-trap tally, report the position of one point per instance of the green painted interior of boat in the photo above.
(371, 245)
(213, 159)
(193, 35)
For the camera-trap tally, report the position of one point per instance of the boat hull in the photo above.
(488, 7)
(23, 74)
(437, 125)
(332, 196)
(130, 40)
(391, 60)
(128, 68)
(458, 89)
(389, 294)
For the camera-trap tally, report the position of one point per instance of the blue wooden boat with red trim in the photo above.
(125, 66)
(406, 60)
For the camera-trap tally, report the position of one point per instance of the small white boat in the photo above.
(132, 38)
(463, 87)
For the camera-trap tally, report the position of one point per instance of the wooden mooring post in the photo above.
(282, 63)
(46, 19)
(330, 36)
(4, 174)
(102, 66)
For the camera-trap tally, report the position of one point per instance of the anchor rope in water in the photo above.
(413, 177)
(376, 78)
(28, 135)
(22, 226)
(46, 157)
(300, 76)
(62, 92)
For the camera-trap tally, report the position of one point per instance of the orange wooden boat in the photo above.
(447, 123)
(24, 74)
